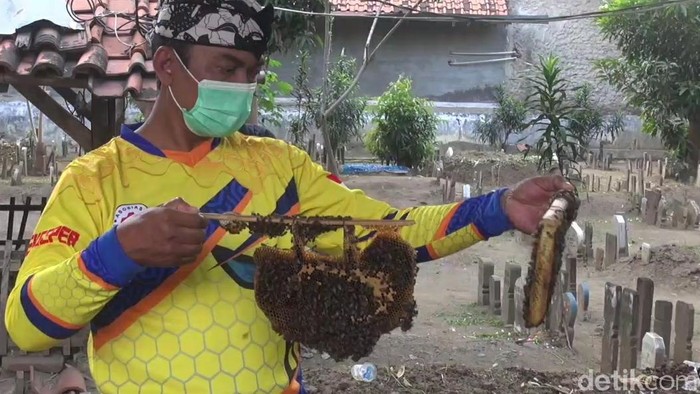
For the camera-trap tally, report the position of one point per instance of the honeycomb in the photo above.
(338, 305)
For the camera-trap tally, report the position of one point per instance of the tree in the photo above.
(507, 119)
(658, 70)
(294, 30)
(347, 120)
(588, 120)
(300, 126)
(273, 87)
(405, 127)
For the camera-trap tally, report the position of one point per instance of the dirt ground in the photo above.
(457, 347)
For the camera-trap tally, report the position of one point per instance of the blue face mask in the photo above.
(221, 107)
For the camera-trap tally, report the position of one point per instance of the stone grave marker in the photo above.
(555, 313)
(653, 351)
(512, 273)
(485, 272)
(570, 311)
(579, 234)
(643, 207)
(622, 239)
(646, 253)
(16, 176)
(662, 213)
(653, 198)
(684, 326)
(645, 294)
(24, 163)
(629, 322)
(611, 328)
(694, 214)
(518, 300)
(610, 249)
(495, 294)
(599, 259)
(583, 298)
(571, 271)
(663, 314)
(588, 240)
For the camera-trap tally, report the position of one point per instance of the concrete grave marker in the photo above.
(518, 300)
(643, 207)
(693, 214)
(629, 322)
(583, 298)
(646, 253)
(610, 249)
(611, 327)
(663, 314)
(645, 294)
(662, 213)
(653, 351)
(512, 273)
(571, 270)
(599, 259)
(588, 240)
(485, 272)
(24, 162)
(653, 198)
(684, 327)
(495, 295)
(16, 176)
(570, 311)
(579, 233)
(622, 239)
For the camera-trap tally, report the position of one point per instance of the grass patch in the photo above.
(472, 315)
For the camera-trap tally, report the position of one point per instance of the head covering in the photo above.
(238, 24)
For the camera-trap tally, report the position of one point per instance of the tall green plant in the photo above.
(553, 117)
(300, 126)
(270, 111)
(347, 120)
(507, 119)
(588, 119)
(405, 127)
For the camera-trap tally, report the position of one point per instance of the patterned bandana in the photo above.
(238, 24)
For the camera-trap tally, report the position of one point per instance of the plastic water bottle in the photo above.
(366, 372)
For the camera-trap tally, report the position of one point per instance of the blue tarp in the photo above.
(369, 168)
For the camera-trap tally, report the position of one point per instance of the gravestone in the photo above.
(579, 235)
(599, 259)
(611, 327)
(582, 298)
(24, 163)
(622, 236)
(653, 351)
(571, 277)
(485, 272)
(663, 314)
(570, 311)
(512, 273)
(629, 323)
(643, 207)
(683, 335)
(646, 253)
(661, 213)
(610, 249)
(518, 300)
(16, 176)
(588, 240)
(495, 295)
(652, 206)
(693, 214)
(645, 294)
(555, 312)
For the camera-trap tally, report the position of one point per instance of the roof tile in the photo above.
(117, 63)
(446, 7)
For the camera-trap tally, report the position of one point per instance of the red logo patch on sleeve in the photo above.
(335, 179)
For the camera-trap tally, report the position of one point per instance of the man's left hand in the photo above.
(526, 203)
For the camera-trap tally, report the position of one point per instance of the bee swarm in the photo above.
(338, 305)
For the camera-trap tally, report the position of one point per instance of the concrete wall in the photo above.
(578, 44)
(419, 50)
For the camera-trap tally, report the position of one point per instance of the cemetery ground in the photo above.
(457, 346)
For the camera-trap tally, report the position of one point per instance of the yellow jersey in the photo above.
(196, 328)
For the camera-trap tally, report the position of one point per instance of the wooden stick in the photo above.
(233, 217)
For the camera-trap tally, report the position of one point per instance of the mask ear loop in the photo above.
(191, 76)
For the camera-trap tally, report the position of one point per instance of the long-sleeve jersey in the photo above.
(196, 328)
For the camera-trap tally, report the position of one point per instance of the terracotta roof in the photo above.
(108, 64)
(445, 7)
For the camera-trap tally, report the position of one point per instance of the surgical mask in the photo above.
(221, 107)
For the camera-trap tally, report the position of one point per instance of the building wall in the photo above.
(419, 50)
(578, 43)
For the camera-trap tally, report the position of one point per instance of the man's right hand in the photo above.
(167, 236)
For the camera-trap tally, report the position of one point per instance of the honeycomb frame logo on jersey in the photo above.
(126, 211)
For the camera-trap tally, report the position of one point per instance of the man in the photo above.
(121, 246)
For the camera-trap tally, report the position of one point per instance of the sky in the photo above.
(17, 13)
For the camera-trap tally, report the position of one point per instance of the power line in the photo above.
(517, 19)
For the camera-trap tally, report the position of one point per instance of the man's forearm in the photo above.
(53, 303)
